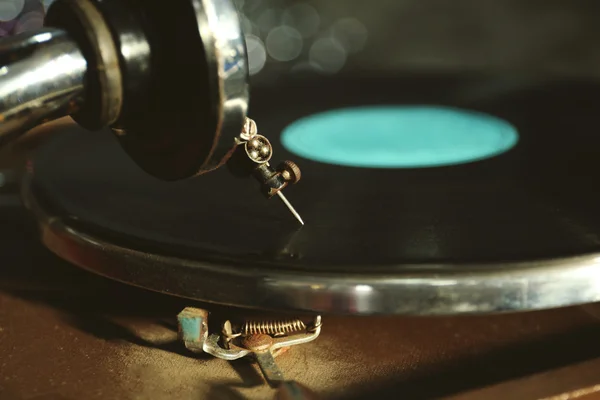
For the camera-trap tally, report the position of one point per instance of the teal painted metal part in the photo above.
(192, 325)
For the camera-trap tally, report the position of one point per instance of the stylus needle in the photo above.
(289, 206)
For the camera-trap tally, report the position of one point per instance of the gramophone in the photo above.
(437, 177)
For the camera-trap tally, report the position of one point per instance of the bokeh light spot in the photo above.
(257, 54)
(328, 54)
(302, 17)
(10, 9)
(284, 43)
(350, 33)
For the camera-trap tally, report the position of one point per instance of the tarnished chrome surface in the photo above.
(212, 66)
(41, 77)
(211, 346)
(440, 289)
(225, 47)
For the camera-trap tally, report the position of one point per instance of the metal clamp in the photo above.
(263, 340)
(257, 152)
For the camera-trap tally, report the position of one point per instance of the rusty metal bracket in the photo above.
(263, 340)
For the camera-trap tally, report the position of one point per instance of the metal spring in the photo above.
(280, 327)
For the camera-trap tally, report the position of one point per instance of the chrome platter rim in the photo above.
(510, 287)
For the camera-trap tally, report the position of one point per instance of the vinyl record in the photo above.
(530, 206)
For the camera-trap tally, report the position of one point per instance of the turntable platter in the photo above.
(516, 231)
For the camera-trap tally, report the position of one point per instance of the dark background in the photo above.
(336, 36)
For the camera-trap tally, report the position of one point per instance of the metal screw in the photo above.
(290, 171)
(258, 343)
